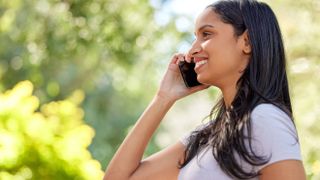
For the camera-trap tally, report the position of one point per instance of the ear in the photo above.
(245, 43)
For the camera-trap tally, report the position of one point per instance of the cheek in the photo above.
(224, 54)
(224, 61)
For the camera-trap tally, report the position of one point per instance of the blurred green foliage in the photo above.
(106, 58)
(300, 23)
(112, 50)
(45, 144)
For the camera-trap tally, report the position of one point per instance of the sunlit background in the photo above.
(76, 75)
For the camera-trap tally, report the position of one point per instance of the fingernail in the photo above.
(187, 58)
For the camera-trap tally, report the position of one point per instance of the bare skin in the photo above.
(225, 56)
(126, 163)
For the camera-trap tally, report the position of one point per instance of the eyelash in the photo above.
(205, 34)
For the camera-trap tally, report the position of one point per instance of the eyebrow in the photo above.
(204, 26)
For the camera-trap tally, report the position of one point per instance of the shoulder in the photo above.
(274, 134)
(269, 122)
(269, 115)
(268, 110)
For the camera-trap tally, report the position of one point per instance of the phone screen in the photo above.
(188, 74)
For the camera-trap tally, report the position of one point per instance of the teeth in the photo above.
(201, 62)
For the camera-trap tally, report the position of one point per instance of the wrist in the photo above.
(164, 99)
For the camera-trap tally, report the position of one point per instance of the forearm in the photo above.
(128, 156)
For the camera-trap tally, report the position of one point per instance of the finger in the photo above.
(188, 57)
(176, 58)
(180, 58)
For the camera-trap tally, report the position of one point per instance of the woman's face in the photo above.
(220, 55)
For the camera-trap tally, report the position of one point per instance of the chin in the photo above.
(202, 79)
(205, 80)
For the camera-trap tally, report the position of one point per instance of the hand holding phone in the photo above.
(188, 74)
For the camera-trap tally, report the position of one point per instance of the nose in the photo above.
(195, 49)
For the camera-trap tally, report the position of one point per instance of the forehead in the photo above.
(207, 17)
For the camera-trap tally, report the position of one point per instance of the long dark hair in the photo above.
(263, 81)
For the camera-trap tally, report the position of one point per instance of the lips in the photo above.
(199, 61)
(199, 64)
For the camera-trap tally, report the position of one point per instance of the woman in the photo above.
(239, 49)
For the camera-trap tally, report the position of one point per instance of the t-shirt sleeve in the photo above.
(274, 135)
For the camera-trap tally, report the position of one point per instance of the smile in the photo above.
(200, 63)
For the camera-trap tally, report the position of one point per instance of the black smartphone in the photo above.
(188, 74)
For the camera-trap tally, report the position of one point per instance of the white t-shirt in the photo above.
(273, 133)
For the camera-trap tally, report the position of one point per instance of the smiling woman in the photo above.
(251, 135)
(216, 39)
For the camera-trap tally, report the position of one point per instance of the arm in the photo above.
(126, 163)
(127, 159)
(282, 170)
(275, 134)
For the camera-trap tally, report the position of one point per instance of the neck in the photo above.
(228, 95)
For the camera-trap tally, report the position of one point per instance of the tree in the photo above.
(103, 47)
(47, 144)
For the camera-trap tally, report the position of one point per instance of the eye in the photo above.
(205, 34)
